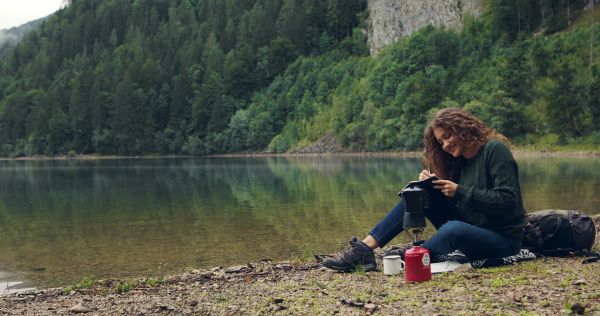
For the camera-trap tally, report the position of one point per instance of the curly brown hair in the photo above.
(467, 128)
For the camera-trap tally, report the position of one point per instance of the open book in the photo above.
(446, 266)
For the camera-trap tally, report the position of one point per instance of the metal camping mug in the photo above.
(392, 265)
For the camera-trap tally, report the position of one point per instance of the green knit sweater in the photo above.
(488, 192)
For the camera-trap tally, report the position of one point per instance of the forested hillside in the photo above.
(10, 38)
(200, 77)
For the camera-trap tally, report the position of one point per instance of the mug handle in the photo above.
(401, 265)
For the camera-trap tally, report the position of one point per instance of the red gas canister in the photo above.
(417, 264)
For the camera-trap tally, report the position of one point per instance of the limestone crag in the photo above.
(392, 20)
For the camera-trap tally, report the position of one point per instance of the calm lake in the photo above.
(63, 220)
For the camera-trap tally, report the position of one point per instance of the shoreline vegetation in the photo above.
(517, 152)
(328, 145)
(301, 286)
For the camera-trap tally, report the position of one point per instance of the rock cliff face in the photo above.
(391, 20)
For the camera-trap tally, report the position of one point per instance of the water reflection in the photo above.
(62, 220)
(560, 183)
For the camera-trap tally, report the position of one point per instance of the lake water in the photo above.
(63, 220)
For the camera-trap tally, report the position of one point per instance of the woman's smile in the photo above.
(449, 148)
(453, 145)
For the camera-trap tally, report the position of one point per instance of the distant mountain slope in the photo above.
(180, 77)
(9, 38)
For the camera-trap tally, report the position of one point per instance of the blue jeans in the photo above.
(452, 233)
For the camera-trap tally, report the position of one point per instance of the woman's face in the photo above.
(453, 145)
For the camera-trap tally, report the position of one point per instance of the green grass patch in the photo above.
(85, 283)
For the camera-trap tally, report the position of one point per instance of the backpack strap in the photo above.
(589, 256)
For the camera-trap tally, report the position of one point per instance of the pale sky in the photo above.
(19, 12)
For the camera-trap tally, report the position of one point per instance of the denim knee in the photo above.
(474, 242)
(454, 228)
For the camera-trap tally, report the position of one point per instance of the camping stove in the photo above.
(417, 259)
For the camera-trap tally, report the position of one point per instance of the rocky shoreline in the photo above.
(546, 286)
(543, 286)
(329, 145)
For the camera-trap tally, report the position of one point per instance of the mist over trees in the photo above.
(10, 38)
(214, 76)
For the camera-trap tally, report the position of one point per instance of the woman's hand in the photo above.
(425, 174)
(446, 186)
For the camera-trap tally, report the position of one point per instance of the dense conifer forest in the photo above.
(145, 77)
(10, 38)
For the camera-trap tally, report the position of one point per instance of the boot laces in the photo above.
(347, 254)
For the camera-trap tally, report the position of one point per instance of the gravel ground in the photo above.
(545, 286)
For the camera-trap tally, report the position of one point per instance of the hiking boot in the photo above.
(359, 254)
(401, 251)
